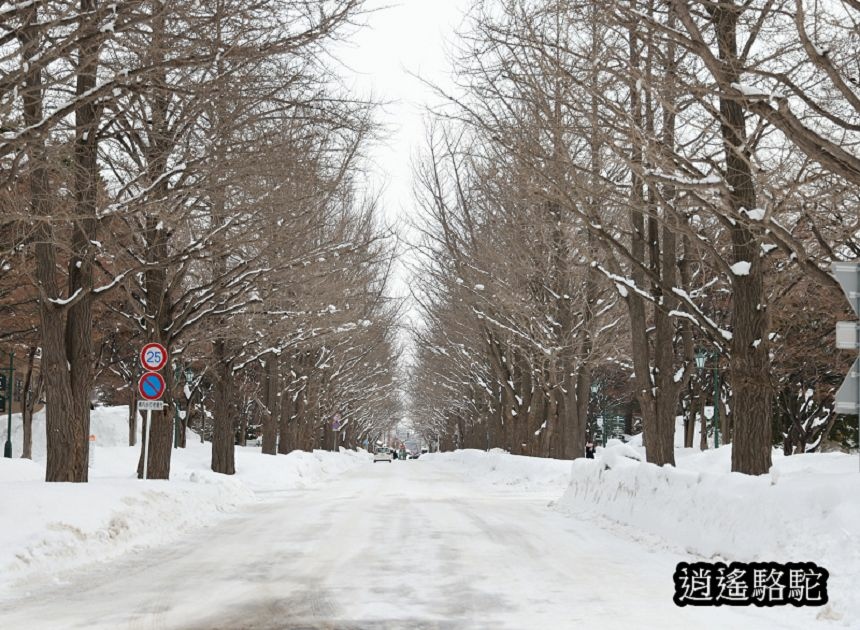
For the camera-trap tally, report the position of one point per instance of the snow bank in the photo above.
(108, 424)
(498, 467)
(807, 509)
(46, 527)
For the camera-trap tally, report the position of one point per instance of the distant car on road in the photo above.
(382, 454)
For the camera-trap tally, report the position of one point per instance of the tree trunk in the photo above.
(640, 352)
(750, 363)
(550, 413)
(243, 425)
(132, 415)
(286, 424)
(726, 420)
(271, 391)
(661, 436)
(30, 396)
(690, 419)
(158, 303)
(66, 330)
(574, 410)
(183, 430)
(223, 434)
(160, 442)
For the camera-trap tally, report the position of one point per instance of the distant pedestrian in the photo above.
(589, 450)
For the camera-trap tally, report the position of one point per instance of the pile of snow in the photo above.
(497, 467)
(807, 509)
(299, 469)
(108, 424)
(47, 527)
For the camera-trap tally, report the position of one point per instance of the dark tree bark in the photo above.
(133, 415)
(750, 363)
(66, 325)
(271, 391)
(31, 394)
(223, 432)
(640, 351)
(160, 442)
(286, 423)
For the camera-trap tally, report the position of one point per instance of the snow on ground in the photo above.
(412, 544)
(530, 474)
(806, 509)
(45, 528)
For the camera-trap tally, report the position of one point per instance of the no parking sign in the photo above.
(151, 386)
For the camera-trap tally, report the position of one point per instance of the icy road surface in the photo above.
(402, 545)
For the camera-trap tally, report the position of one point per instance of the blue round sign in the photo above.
(151, 386)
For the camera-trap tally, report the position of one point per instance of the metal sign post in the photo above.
(848, 338)
(151, 387)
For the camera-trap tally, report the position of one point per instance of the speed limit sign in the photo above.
(153, 357)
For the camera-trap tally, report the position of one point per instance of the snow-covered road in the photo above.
(403, 545)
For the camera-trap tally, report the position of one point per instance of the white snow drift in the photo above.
(46, 527)
(806, 509)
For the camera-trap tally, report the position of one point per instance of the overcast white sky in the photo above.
(401, 37)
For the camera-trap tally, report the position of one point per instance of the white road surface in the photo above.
(402, 545)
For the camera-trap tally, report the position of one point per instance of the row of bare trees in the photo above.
(187, 172)
(613, 188)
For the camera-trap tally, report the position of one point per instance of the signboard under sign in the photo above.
(150, 405)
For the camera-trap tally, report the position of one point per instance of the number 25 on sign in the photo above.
(153, 357)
